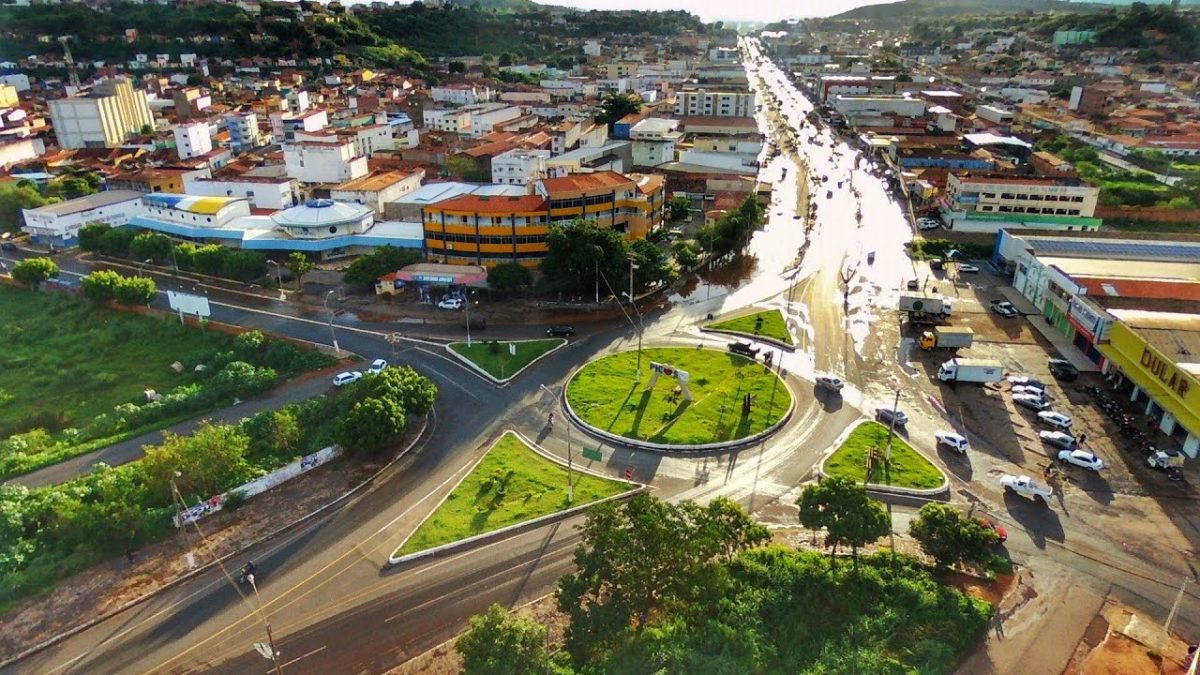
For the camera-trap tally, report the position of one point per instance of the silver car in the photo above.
(1081, 458)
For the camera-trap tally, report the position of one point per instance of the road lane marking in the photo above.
(298, 658)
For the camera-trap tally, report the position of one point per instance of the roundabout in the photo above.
(683, 399)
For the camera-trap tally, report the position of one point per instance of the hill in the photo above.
(906, 10)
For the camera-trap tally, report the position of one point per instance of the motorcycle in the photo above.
(246, 573)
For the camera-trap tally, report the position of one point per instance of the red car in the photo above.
(1000, 530)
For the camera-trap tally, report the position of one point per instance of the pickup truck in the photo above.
(1024, 485)
(744, 348)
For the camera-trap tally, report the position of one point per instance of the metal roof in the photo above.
(1116, 249)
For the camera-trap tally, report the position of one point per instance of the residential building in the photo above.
(485, 116)
(615, 156)
(704, 103)
(15, 150)
(453, 120)
(192, 139)
(58, 224)
(654, 140)
(8, 96)
(990, 203)
(371, 139)
(262, 192)
(377, 189)
(244, 133)
(324, 161)
(461, 94)
(285, 125)
(103, 118)
(520, 166)
(879, 110)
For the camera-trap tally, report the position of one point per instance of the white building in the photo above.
(877, 110)
(453, 120)
(371, 139)
(192, 139)
(592, 48)
(376, 190)
(520, 167)
(284, 125)
(13, 150)
(487, 115)
(262, 192)
(461, 94)
(719, 103)
(325, 161)
(103, 118)
(244, 133)
(59, 224)
(654, 140)
(994, 114)
(18, 80)
(989, 204)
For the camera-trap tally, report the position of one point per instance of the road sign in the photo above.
(593, 453)
(512, 349)
(629, 473)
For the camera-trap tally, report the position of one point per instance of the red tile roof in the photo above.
(493, 204)
(1161, 289)
(586, 181)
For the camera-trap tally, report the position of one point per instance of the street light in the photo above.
(467, 303)
(142, 266)
(278, 277)
(639, 325)
(567, 422)
(263, 617)
(332, 336)
(894, 384)
(177, 501)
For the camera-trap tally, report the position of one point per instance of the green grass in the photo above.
(493, 356)
(907, 468)
(1126, 225)
(605, 395)
(65, 361)
(511, 485)
(773, 325)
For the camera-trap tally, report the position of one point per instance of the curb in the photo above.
(478, 370)
(515, 528)
(204, 568)
(664, 447)
(941, 490)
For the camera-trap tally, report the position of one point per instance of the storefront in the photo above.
(1159, 354)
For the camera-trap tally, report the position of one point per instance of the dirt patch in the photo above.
(1119, 655)
(991, 592)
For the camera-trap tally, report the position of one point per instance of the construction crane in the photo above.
(72, 71)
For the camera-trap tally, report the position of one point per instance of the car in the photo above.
(1024, 485)
(1083, 458)
(1164, 459)
(964, 268)
(885, 415)
(1063, 369)
(928, 224)
(1004, 308)
(1026, 381)
(1059, 439)
(343, 379)
(561, 330)
(1055, 419)
(1029, 391)
(830, 382)
(1000, 530)
(936, 264)
(952, 440)
(451, 303)
(8, 246)
(743, 348)
(1035, 403)
(377, 366)
(912, 285)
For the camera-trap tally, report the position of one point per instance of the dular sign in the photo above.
(1165, 371)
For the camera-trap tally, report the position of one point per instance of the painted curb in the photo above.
(942, 489)
(664, 447)
(478, 370)
(515, 528)
(199, 570)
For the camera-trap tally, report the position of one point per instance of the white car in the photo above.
(1004, 308)
(928, 224)
(377, 367)
(451, 303)
(1055, 419)
(964, 268)
(1082, 458)
(1059, 439)
(1027, 390)
(1024, 485)
(342, 379)
(830, 382)
(952, 440)
(1026, 381)
(1032, 402)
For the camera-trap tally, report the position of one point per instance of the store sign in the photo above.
(1166, 372)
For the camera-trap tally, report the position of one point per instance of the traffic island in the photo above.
(862, 457)
(768, 325)
(683, 400)
(513, 484)
(502, 360)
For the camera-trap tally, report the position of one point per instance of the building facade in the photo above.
(244, 133)
(704, 103)
(520, 167)
(192, 139)
(987, 204)
(333, 161)
(102, 118)
(58, 224)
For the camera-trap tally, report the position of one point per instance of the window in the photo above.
(1005, 209)
(989, 195)
(985, 208)
(1073, 212)
(1006, 195)
(1036, 198)
(1051, 198)
(1077, 199)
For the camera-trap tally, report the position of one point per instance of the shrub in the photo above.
(33, 271)
(135, 291)
(101, 285)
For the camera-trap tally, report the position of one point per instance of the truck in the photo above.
(974, 371)
(925, 308)
(947, 337)
(1026, 486)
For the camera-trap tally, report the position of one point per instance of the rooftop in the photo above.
(205, 206)
(1175, 335)
(89, 202)
(600, 180)
(493, 204)
(374, 182)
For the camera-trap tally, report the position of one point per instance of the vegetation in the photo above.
(605, 394)
(211, 259)
(949, 537)
(582, 255)
(767, 323)
(679, 208)
(15, 197)
(509, 277)
(512, 484)
(103, 286)
(907, 468)
(615, 106)
(49, 533)
(299, 265)
(667, 588)
(33, 271)
(366, 269)
(842, 508)
(923, 249)
(500, 644)
(494, 357)
(733, 230)
(377, 409)
(1119, 187)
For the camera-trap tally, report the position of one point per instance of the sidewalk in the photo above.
(294, 391)
(1062, 344)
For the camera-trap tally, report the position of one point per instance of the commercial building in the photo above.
(654, 140)
(58, 224)
(375, 190)
(103, 118)
(879, 110)
(262, 192)
(461, 94)
(986, 203)
(453, 120)
(704, 103)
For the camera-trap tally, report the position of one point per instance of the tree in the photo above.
(679, 208)
(457, 67)
(299, 265)
(615, 106)
(652, 265)
(135, 291)
(244, 265)
(371, 425)
(842, 508)
(116, 242)
(459, 166)
(500, 644)
(211, 457)
(210, 259)
(33, 271)
(412, 391)
(91, 236)
(366, 270)
(685, 255)
(949, 537)
(100, 286)
(151, 246)
(506, 59)
(15, 198)
(579, 253)
(508, 277)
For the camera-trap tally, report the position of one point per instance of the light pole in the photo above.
(633, 304)
(278, 277)
(468, 306)
(332, 336)
(262, 616)
(567, 422)
(895, 385)
(177, 501)
(142, 266)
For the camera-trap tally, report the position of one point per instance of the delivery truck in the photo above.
(947, 337)
(925, 308)
(974, 371)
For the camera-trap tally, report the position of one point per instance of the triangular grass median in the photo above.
(511, 485)
(773, 326)
(907, 469)
(494, 357)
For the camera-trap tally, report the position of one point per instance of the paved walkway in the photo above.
(1062, 344)
(129, 450)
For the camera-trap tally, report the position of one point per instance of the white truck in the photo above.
(947, 337)
(973, 371)
(1026, 486)
(925, 308)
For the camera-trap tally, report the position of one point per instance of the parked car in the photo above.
(743, 348)
(561, 330)
(964, 268)
(1000, 530)
(1024, 485)
(1063, 370)
(885, 415)
(928, 223)
(342, 379)
(1059, 439)
(830, 382)
(1082, 458)
(377, 366)
(912, 284)
(1029, 391)
(451, 303)
(1035, 403)
(936, 264)
(1004, 308)
(8, 246)
(1026, 381)
(1055, 419)
(952, 440)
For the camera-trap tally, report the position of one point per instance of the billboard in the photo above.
(185, 303)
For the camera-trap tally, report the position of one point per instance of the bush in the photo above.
(135, 291)
(33, 271)
(116, 242)
(243, 265)
(100, 286)
(364, 271)
(151, 246)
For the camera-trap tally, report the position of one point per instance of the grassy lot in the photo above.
(605, 395)
(493, 355)
(1126, 225)
(907, 468)
(511, 485)
(773, 325)
(65, 361)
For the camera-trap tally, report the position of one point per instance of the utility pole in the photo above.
(332, 336)
(562, 407)
(72, 70)
(892, 426)
(263, 617)
(177, 501)
(1175, 607)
